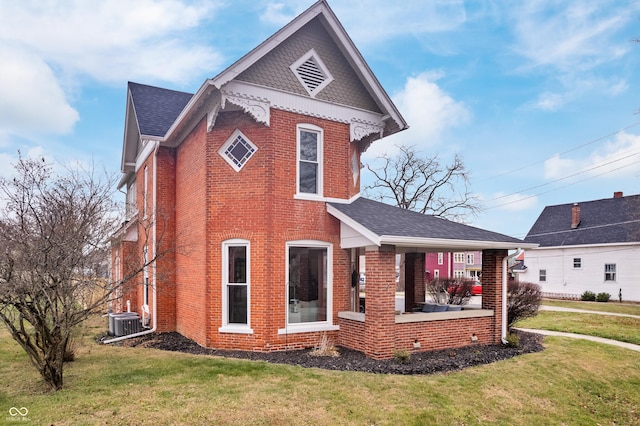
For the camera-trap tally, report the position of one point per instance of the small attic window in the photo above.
(237, 150)
(311, 72)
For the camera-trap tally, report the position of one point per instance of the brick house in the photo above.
(251, 189)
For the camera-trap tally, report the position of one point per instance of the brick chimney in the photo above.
(575, 216)
(617, 194)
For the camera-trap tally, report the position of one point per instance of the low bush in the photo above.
(588, 296)
(603, 297)
(523, 300)
(402, 355)
(513, 341)
(450, 291)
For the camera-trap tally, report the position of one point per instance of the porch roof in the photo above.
(365, 222)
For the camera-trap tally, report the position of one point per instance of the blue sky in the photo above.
(538, 97)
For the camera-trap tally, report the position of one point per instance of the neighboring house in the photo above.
(592, 245)
(250, 188)
(460, 264)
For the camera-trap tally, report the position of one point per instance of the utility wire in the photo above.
(567, 177)
(562, 153)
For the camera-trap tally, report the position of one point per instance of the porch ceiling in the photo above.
(366, 222)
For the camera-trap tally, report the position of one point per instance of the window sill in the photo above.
(307, 328)
(308, 197)
(235, 329)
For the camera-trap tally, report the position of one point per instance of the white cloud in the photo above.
(569, 35)
(278, 14)
(31, 99)
(428, 110)
(617, 159)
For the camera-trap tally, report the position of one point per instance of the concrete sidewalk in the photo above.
(584, 337)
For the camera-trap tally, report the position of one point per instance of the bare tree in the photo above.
(424, 184)
(53, 258)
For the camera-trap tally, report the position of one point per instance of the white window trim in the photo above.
(228, 142)
(320, 177)
(318, 325)
(226, 326)
(440, 258)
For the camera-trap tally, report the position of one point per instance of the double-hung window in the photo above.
(236, 294)
(440, 258)
(543, 275)
(609, 271)
(309, 159)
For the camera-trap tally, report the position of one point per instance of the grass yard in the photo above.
(620, 308)
(571, 382)
(623, 329)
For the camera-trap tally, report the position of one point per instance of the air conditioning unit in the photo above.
(124, 324)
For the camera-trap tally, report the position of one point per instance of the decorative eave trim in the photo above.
(257, 107)
(361, 129)
(362, 123)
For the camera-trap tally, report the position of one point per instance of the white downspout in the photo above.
(153, 265)
(505, 262)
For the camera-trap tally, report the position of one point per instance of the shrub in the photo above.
(451, 291)
(513, 341)
(588, 296)
(603, 297)
(523, 301)
(402, 355)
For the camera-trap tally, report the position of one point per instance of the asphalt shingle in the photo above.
(607, 221)
(385, 219)
(156, 108)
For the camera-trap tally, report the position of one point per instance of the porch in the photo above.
(383, 328)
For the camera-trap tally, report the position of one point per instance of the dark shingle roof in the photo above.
(157, 108)
(384, 219)
(612, 220)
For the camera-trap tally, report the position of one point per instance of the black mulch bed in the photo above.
(350, 360)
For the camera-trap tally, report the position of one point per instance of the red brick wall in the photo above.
(215, 203)
(492, 287)
(380, 302)
(191, 280)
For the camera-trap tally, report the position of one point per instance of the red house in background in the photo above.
(251, 189)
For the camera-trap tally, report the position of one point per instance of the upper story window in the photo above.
(577, 262)
(145, 191)
(609, 271)
(309, 173)
(458, 257)
(543, 275)
(130, 206)
(440, 258)
(237, 150)
(470, 259)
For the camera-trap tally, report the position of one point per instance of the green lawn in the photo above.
(610, 327)
(621, 308)
(571, 382)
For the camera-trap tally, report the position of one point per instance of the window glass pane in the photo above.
(308, 177)
(237, 304)
(307, 284)
(237, 264)
(308, 146)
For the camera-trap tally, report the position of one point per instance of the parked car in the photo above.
(476, 288)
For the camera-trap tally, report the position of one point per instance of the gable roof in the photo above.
(606, 221)
(167, 115)
(156, 109)
(386, 224)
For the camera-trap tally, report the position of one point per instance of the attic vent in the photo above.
(311, 72)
